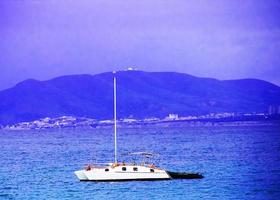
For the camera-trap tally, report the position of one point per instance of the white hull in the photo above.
(81, 175)
(118, 174)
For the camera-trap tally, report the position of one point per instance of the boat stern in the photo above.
(81, 175)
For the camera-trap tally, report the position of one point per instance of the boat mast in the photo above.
(115, 114)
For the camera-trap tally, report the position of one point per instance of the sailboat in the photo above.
(117, 171)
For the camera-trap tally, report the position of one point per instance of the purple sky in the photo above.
(220, 39)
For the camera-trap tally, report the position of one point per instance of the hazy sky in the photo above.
(212, 38)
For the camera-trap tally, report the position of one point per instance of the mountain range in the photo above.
(139, 95)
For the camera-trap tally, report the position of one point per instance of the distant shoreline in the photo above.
(85, 123)
(142, 97)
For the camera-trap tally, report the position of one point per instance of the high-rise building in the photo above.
(274, 110)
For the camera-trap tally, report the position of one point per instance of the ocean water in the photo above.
(238, 162)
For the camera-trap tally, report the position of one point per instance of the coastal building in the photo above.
(129, 120)
(108, 121)
(274, 110)
(151, 119)
(172, 117)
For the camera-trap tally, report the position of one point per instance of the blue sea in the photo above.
(238, 162)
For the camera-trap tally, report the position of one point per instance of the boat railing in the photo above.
(113, 165)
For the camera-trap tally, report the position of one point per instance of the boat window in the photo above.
(124, 168)
(106, 170)
(152, 170)
(135, 169)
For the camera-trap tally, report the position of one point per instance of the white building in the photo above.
(173, 117)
